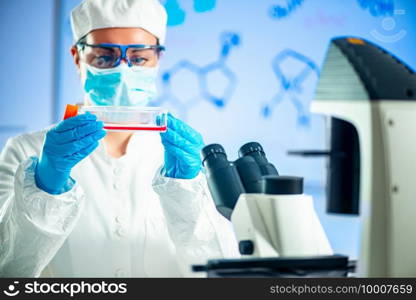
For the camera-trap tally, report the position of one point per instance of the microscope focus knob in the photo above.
(246, 247)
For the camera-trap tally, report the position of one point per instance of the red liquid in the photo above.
(161, 128)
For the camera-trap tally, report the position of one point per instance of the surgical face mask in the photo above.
(120, 86)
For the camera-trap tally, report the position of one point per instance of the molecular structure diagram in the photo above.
(177, 15)
(291, 87)
(378, 7)
(278, 11)
(229, 40)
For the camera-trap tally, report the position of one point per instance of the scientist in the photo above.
(77, 201)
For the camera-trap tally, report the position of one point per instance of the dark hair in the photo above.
(83, 39)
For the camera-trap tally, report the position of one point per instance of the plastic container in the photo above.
(125, 118)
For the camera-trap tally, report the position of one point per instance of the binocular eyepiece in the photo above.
(250, 173)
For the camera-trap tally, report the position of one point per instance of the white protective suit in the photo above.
(120, 219)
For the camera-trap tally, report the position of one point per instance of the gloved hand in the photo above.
(65, 145)
(182, 150)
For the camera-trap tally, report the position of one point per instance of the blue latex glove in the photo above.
(65, 145)
(182, 150)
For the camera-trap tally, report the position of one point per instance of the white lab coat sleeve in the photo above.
(198, 231)
(33, 223)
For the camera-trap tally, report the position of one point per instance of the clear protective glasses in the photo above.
(107, 56)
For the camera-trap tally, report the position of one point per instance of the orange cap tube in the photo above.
(70, 111)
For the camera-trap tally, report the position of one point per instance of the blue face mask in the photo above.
(120, 86)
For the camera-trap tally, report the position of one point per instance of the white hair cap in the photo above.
(95, 14)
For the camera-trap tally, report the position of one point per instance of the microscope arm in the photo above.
(278, 225)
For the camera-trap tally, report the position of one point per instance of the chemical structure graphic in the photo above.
(291, 86)
(283, 10)
(378, 8)
(204, 82)
(177, 15)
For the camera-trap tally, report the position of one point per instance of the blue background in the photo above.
(236, 70)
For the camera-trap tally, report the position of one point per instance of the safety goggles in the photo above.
(107, 56)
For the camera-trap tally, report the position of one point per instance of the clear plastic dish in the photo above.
(129, 118)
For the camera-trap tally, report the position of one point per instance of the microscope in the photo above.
(278, 231)
(368, 98)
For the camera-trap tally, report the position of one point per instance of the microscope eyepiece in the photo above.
(256, 151)
(227, 180)
(223, 179)
(249, 148)
(212, 149)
